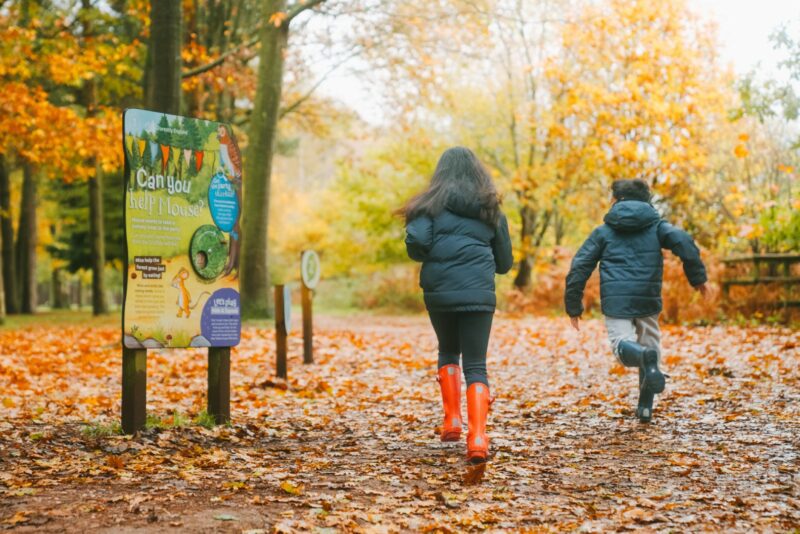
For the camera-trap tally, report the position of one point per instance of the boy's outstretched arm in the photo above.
(419, 238)
(682, 245)
(501, 247)
(583, 265)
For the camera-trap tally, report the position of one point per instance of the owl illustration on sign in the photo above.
(229, 153)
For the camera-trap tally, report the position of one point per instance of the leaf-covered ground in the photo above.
(349, 444)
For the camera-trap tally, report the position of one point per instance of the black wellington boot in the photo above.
(651, 380)
(644, 408)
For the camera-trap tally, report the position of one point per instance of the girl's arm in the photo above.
(419, 238)
(501, 247)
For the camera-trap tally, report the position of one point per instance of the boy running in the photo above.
(628, 247)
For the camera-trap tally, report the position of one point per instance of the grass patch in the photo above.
(179, 420)
(176, 420)
(60, 318)
(102, 430)
(154, 421)
(205, 419)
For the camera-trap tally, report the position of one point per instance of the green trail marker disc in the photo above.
(208, 251)
(310, 269)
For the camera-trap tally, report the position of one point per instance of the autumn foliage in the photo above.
(57, 137)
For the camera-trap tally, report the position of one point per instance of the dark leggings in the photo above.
(464, 333)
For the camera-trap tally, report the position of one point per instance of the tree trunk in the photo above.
(57, 284)
(258, 165)
(523, 277)
(9, 256)
(9, 261)
(162, 80)
(2, 288)
(97, 247)
(97, 241)
(558, 229)
(26, 242)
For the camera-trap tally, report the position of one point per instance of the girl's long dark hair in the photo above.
(461, 184)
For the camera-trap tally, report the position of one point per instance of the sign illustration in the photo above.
(183, 198)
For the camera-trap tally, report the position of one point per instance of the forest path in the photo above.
(349, 443)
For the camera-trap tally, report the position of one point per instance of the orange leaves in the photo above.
(718, 456)
(55, 137)
(115, 462)
(277, 18)
(51, 131)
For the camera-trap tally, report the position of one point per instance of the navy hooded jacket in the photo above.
(628, 247)
(460, 255)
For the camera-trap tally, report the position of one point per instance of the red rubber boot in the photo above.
(477, 412)
(449, 378)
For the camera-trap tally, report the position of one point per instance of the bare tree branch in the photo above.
(300, 100)
(299, 7)
(218, 61)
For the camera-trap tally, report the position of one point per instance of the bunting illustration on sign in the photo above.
(183, 198)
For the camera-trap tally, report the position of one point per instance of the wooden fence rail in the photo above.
(774, 263)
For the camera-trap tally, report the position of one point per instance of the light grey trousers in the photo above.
(641, 330)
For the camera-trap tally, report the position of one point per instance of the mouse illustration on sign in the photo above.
(184, 301)
(231, 156)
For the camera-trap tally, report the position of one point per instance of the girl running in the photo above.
(457, 230)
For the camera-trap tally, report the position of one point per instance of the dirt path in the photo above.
(349, 443)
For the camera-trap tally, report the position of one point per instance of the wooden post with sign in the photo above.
(181, 286)
(310, 274)
(282, 324)
(308, 331)
(219, 384)
(134, 389)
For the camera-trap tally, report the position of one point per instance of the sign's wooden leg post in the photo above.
(219, 384)
(280, 334)
(134, 389)
(308, 332)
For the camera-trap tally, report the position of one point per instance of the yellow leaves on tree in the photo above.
(639, 91)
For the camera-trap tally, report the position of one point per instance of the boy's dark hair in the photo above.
(636, 189)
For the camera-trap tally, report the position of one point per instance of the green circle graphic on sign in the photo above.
(310, 269)
(208, 251)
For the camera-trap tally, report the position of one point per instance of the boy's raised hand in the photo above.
(702, 289)
(575, 321)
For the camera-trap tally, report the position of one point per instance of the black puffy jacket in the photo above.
(628, 247)
(460, 255)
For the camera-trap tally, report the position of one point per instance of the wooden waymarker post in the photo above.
(308, 330)
(310, 274)
(283, 309)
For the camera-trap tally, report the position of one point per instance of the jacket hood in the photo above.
(631, 216)
(465, 207)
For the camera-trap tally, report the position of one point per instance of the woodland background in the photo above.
(557, 97)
